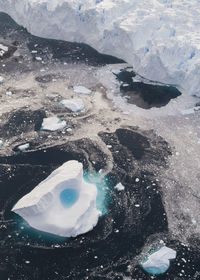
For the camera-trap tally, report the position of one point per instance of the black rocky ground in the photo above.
(136, 216)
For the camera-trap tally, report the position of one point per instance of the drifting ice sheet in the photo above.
(63, 204)
(159, 261)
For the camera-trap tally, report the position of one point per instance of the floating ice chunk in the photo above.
(75, 105)
(63, 204)
(159, 261)
(119, 187)
(53, 124)
(9, 93)
(1, 80)
(81, 90)
(23, 147)
(1, 143)
(4, 48)
(38, 58)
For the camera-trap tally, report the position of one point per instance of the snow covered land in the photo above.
(160, 38)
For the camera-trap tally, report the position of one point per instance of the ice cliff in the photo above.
(160, 38)
(63, 204)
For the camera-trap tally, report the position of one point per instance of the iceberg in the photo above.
(74, 105)
(64, 204)
(159, 261)
(52, 124)
(23, 147)
(119, 187)
(82, 90)
(1, 80)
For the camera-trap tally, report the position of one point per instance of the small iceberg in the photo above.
(64, 204)
(1, 80)
(158, 262)
(119, 187)
(23, 147)
(74, 105)
(52, 124)
(82, 90)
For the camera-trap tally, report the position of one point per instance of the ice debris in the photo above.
(63, 204)
(74, 105)
(23, 147)
(1, 143)
(52, 124)
(1, 80)
(119, 187)
(82, 90)
(159, 261)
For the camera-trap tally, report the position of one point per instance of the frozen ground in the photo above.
(159, 38)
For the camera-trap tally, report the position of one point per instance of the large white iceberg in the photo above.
(160, 38)
(63, 204)
(159, 261)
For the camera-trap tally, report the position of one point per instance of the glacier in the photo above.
(160, 38)
(64, 204)
(159, 261)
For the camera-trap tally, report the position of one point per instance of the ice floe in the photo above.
(52, 124)
(23, 147)
(1, 79)
(82, 90)
(1, 143)
(119, 187)
(74, 105)
(63, 204)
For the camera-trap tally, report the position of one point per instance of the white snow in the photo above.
(1, 143)
(23, 147)
(160, 38)
(159, 261)
(119, 187)
(52, 124)
(44, 209)
(75, 104)
(81, 90)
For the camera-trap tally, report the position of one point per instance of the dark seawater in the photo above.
(112, 249)
(143, 94)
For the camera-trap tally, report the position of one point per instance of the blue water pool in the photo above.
(68, 197)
